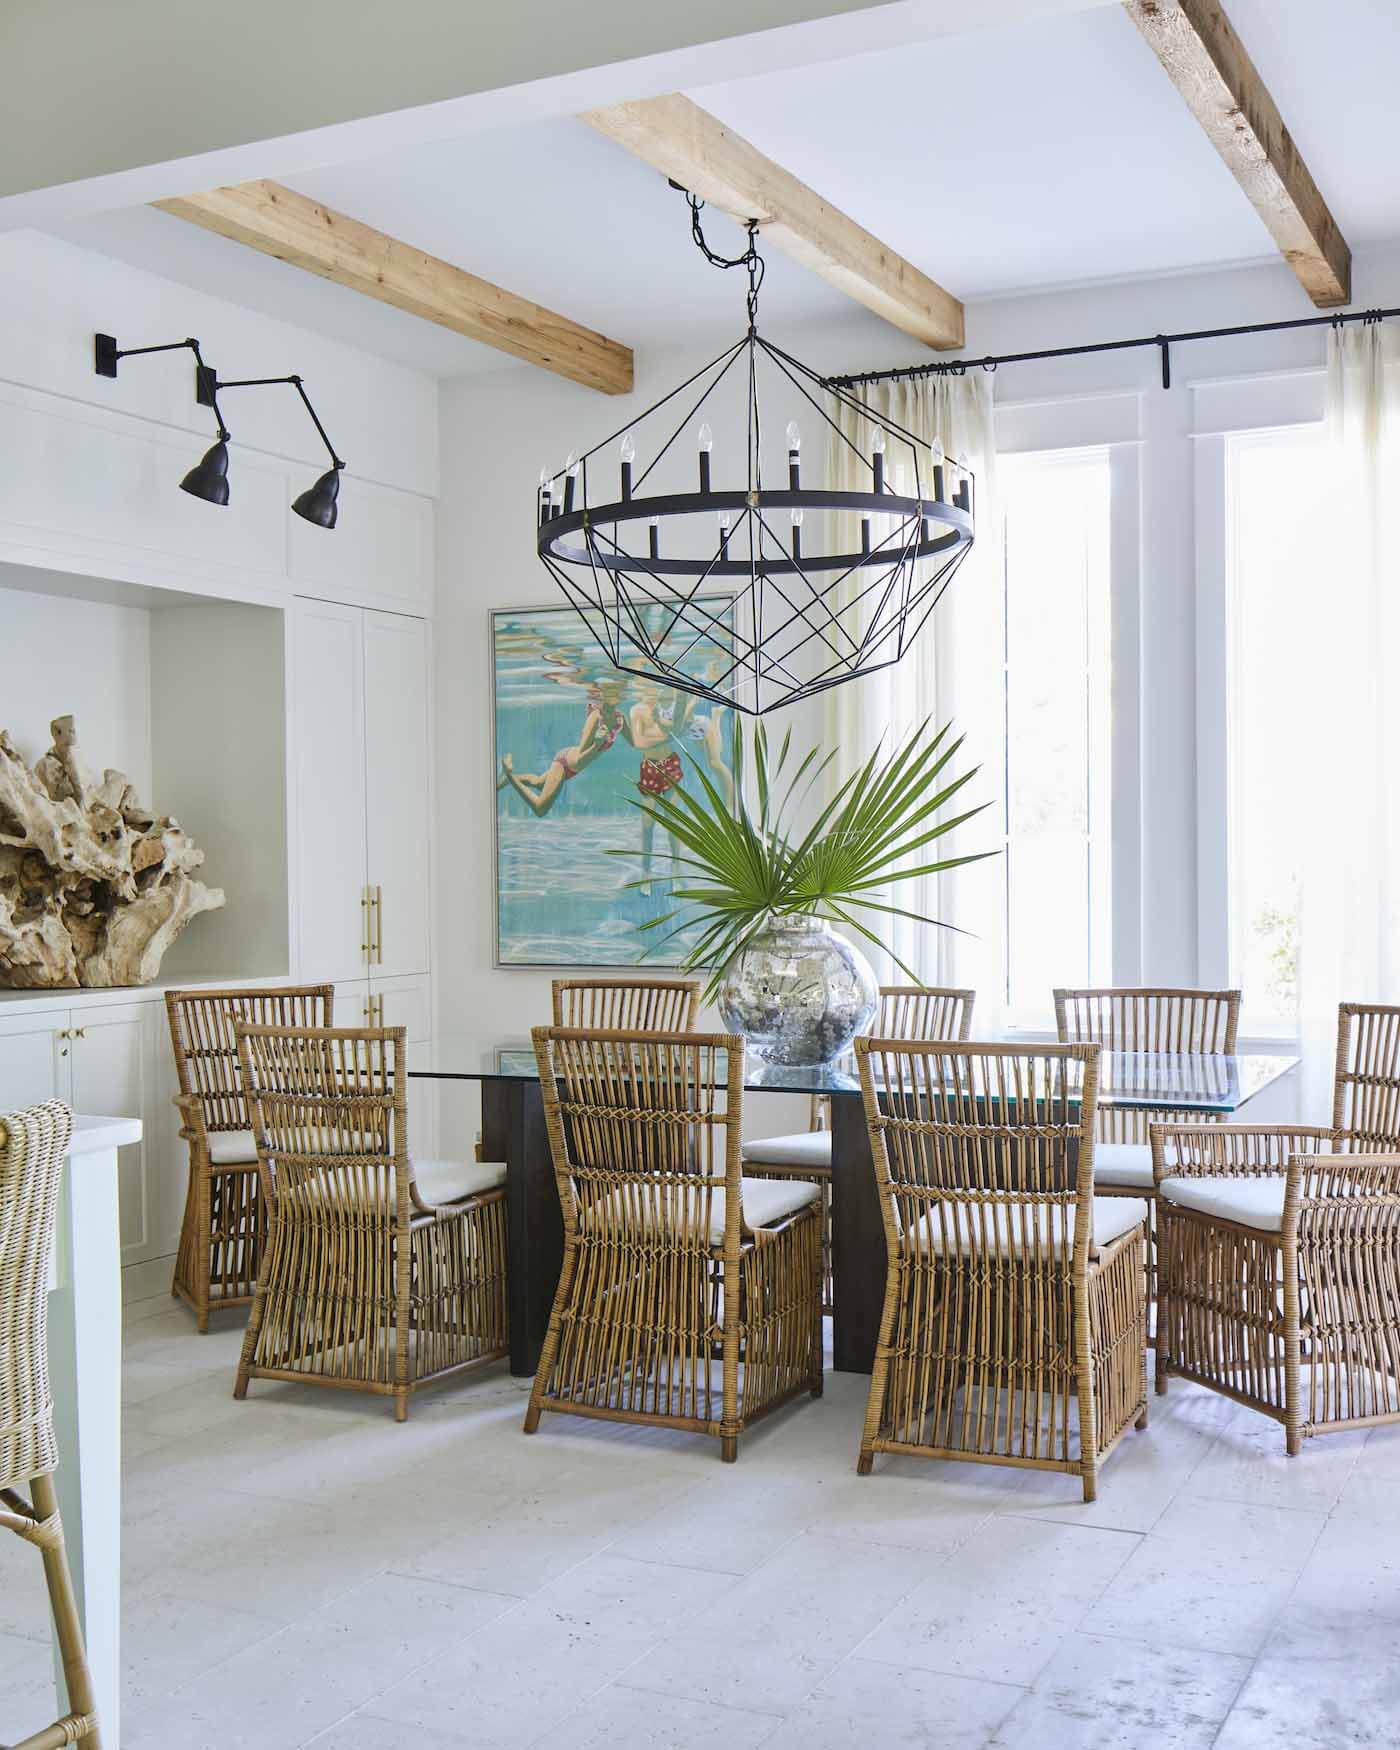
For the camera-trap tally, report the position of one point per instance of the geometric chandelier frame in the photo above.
(756, 592)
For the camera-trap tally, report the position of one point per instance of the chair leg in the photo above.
(729, 1448)
(77, 1678)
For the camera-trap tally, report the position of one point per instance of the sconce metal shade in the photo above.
(318, 503)
(208, 479)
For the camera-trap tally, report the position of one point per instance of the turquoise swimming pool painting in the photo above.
(577, 740)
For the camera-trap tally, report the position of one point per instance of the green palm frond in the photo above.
(736, 868)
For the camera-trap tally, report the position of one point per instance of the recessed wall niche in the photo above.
(187, 695)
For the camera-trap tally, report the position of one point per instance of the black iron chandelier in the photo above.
(749, 594)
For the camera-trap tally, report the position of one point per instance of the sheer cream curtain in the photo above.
(1349, 802)
(953, 673)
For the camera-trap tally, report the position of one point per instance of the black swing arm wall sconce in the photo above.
(208, 479)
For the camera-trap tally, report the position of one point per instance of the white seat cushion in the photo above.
(450, 1181)
(1230, 1197)
(993, 1228)
(232, 1148)
(765, 1202)
(1123, 1163)
(810, 1149)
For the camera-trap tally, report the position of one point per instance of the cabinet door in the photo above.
(117, 1073)
(35, 1059)
(397, 760)
(328, 816)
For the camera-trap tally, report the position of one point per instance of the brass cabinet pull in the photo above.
(374, 1011)
(379, 926)
(367, 927)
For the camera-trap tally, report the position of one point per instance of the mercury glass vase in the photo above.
(799, 993)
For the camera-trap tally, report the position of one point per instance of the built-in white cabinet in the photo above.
(361, 816)
(111, 1060)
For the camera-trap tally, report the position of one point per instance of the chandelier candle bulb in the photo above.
(570, 477)
(629, 455)
(794, 443)
(877, 458)
(797, 531)
(723, 534)
(940, 490)
(546, 496)
(654, 537)
(705, 440)
(865, 534)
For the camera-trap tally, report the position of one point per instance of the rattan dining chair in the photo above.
(1278, 1272)
(1014, 1326)
(907, 1011)
(1143, 1019)
(380, 1273)
(222, 1232)
(32, 1144)
(690, 1296)
(652, 1005)
(1366, 1082)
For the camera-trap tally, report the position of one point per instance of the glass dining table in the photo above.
(513, 1131)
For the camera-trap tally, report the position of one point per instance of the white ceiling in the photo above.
(1043, 154)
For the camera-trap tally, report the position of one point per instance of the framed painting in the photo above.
(576, 741)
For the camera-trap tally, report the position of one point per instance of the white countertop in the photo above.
(91, 1133)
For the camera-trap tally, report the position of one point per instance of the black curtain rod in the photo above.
(1163, 342)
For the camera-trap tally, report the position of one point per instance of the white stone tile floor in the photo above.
(301, 1571)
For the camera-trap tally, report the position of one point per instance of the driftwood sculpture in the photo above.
(94, 887)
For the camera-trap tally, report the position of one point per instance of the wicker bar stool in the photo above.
(907, 1011)
(690, 1297)
(222, 1232)
(31, 1164)
(631, 1005)
(380, 1273)
(1014, 1328)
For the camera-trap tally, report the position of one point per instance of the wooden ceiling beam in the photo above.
(280, 222)
(693, 148)
(1208, 64)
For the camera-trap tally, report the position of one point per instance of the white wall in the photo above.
(498, 431)
(99, 673)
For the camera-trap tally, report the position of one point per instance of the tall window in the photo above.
(1058, 702)
(1275, 561)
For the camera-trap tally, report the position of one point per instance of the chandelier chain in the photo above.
(750, 259)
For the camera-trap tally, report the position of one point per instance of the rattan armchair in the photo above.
(690, 1297)
(1278, 1272)
(907, 1011)
(1014, 1327)
(379, 1273)
(31, 1164)
(222, 1232)
(1366, 1084)
(652, 1005)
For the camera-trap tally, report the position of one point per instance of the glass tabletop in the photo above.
(1194, 1081)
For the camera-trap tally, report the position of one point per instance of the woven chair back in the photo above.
(1366, 1092)
(32, 1145)
(644, 1129)
(915, 1011)
(626, 1005)
(206, 1051)
(1149, 1019)
(982, 1150)
(329, 1115)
